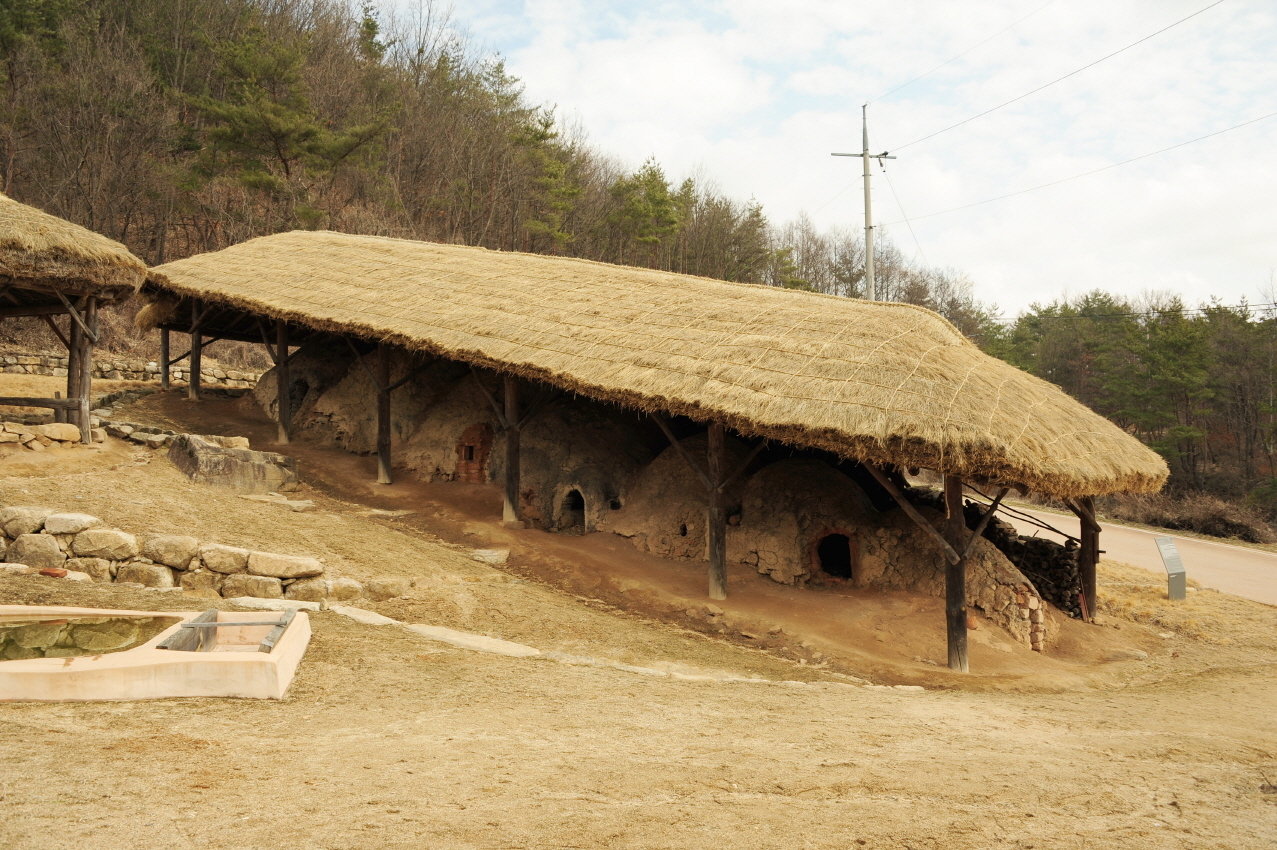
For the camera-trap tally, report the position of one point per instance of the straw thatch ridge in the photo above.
(41, 251)
(887, 383)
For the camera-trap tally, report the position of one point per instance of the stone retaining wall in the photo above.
(128, 370)
(80, 547)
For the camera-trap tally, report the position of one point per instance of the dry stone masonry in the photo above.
(82, 547)
(126, 370)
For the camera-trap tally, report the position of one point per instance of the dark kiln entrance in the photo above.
(833, 554)
(572, 513)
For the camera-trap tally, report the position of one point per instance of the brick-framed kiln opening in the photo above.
(474, 448)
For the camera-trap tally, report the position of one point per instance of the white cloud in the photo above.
(756, 94)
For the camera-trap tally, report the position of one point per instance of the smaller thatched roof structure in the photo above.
(45, 253)
(872, 382)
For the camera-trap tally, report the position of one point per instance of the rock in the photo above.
(295, 505)
(308, 589)
(381, 589)
(273, 604)
(152, 441)
(491, 556)
(344, 589)
(478, 643)
(34, 445)
(242, 584)
(6, 437)
(69, 523)
(171, 550)
(147, 575)
(76, 575)
(241, 470)
(1127, 655)
(203, 582)
(283, 566)
(35, 550)
(223, 559)
(99, 569)
(115, 633)
(38, 635)
(119, 430)
(14, 569)
(98, 435)
(109, 543)
(19, 520)
(63, 432)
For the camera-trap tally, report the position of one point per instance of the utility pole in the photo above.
(870, 289)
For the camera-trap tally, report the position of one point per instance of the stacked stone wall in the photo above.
(81, 547)
(211, 374)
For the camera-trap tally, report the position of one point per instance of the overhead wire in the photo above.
(1072, 73)
(953, 59)
(1079, 176)
(904, 215)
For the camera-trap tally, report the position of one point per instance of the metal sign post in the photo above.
(1176, 577)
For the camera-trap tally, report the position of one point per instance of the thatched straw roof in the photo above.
(888, 383)
(43, 252)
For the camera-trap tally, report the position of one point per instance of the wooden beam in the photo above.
(197, 353)
(82, 321)
(75, 335)
(497, 409)
(164, 358)
(52, 403)
(949, 552)
(57, 331)
(382, 384)
(715, 456)
(678, 447)
(85, 381)
(510, 416)
(744, 465)
(281, 381)
(955, 578)
(1088, 556)
(20, 311)
(984, 521)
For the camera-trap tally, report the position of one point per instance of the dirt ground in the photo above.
(798, 720)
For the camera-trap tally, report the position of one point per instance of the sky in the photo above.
(752, 96)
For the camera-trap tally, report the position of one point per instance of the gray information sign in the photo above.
(1176, 578)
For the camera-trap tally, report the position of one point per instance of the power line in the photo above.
(953, 59)
(1092, 171)
(1057, 80)
(904, 214)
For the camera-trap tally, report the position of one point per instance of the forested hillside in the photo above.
(183, 127)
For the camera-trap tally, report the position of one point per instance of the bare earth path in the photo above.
(1155, 730)
(1250, 573)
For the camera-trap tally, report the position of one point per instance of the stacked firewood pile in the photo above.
(1051, 567)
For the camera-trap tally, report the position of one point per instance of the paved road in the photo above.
(1232, 569)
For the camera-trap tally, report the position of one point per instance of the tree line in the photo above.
(180, 128)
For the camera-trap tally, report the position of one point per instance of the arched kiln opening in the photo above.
(572, 513)
(833, 555)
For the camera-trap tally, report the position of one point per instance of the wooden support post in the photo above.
(383, 414)
(955, 577)
(281, 381)
(75, 337)
(164, 356)
(197, 352)
(510, 509)
(715, 457)
(87, 339)
(1088, 555)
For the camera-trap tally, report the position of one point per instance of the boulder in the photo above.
(109, 543)
(308, 589)
(223, 559)
(63, 432)
(7, 437)
(381, 589)
(99, 569)
(38, 635)
(147, 575)
(263, 587)
(344, 589)
(171, 550)
(283, 566)
(202, 582)
(107, 636)
(69, 523)
(240, 470)
(15, 569)
(35, 550)
(19, 520)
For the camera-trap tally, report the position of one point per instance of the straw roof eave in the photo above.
(42, 255)
(1078, 453)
